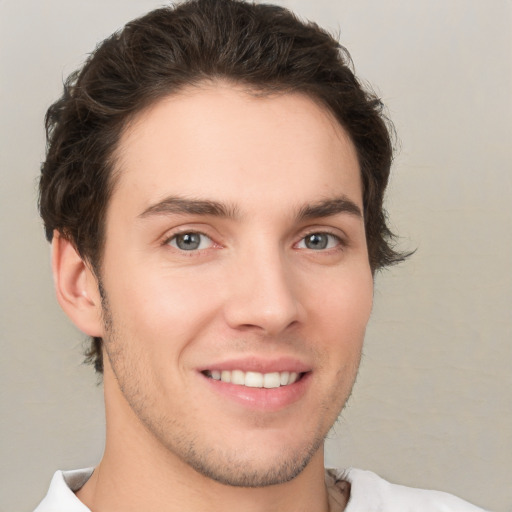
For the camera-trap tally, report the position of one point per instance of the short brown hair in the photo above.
(264, 47)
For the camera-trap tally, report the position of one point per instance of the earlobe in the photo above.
(76, 287)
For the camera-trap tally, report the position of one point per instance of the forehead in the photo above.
(221, 142)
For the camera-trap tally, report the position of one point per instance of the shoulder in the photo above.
(60, 495)
(371, 493)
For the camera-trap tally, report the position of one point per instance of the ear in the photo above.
(76, 287)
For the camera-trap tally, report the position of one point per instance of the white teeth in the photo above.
(238, 377)
(255, 379)
(271, 380)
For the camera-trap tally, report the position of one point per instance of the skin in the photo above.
(254, 290)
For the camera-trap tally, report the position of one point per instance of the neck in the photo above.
(117, 486)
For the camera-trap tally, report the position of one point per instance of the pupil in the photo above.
(316, 241)
(188, 241)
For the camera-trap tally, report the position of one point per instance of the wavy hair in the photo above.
(264, 47)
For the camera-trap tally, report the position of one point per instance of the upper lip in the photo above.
(261, 365)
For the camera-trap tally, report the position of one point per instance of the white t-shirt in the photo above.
(368, 493)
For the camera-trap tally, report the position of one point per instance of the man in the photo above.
(213, 192)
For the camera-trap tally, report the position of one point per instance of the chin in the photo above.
(250, 472)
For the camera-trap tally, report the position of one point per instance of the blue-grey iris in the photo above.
(188, 241)
(317, 241)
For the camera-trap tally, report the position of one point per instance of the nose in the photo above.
(262, 294)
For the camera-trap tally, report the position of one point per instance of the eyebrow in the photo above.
(328, 208)
(181, 205)
(184, 206)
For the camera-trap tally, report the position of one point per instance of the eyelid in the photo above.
(340, 242)
(202, 236)
(170, 235)
(334, 231)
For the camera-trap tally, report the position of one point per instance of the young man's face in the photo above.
(235, 249)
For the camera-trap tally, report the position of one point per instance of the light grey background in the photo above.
(433, 402)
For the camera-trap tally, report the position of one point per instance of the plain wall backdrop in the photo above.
(433, 403)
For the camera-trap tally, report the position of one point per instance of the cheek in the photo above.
(344, 303)
(159, 306)
(341, 317)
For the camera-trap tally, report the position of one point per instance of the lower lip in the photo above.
(263, 399)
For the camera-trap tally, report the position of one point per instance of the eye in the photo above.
(191, 241)
(319, 241)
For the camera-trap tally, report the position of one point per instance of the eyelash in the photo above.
(340, 243)
(168, 241)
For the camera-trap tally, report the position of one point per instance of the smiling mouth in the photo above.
(254, 379)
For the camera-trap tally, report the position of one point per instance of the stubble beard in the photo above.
(227, 470)
(178, 440)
